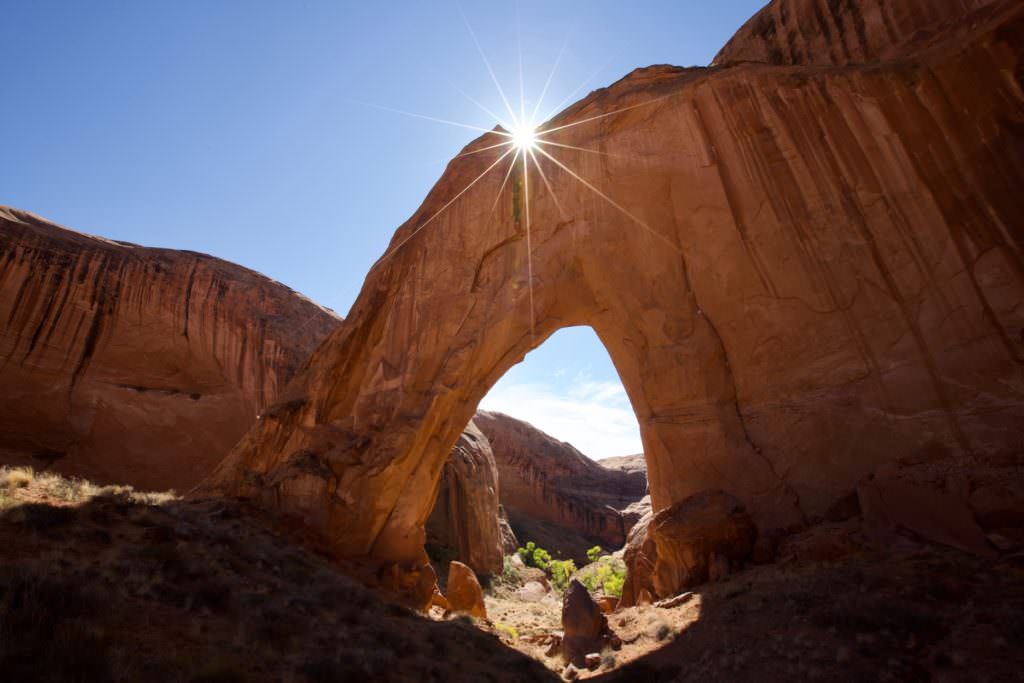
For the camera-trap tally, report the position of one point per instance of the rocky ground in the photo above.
(109, 584)
(106, 583)
(923, 613)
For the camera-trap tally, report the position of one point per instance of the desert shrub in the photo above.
(561, 572)
(16, 477)
(533, 556)
(606, 574)
(509, 571)
(594, 554)
(507, 630)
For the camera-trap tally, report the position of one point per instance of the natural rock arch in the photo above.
(803, 273)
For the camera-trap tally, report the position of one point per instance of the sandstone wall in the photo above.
(133, 365)
(465, 520)
(800, 273)
(840, 32)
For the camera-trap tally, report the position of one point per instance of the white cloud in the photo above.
(594, 416)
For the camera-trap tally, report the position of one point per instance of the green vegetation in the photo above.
(594, 554)
(561, 573)
(532, 556)
(606, 574)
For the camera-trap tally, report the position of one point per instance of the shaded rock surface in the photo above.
(136, 365)
(553, 494)
(806, 272)
(584, 625)
(466, 520)
(705, 537)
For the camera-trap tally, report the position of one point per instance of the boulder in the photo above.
(640, 556)
(584, 625)
(701, 538)
(464, 592)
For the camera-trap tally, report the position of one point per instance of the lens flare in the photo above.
(524, 137)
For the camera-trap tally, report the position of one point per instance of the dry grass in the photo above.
(16, 477)
(20, 485)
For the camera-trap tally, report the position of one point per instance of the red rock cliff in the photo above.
(804, 272)
(134, 365)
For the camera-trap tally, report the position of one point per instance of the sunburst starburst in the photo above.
(523, 140)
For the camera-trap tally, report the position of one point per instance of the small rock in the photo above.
(1001, 542)
(592, 660)
(571, 673)
(674, 602)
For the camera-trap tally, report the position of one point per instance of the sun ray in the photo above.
(484, 149)
(487, 63)
(529, 245)
(508, 174)
(504, 122)
(439, 211)
(611, 201)
(435, 119)
(606, 114)
(568, 98)
(547, 83)
(551, 190)
(542, 141)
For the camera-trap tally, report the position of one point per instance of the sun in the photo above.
(524, 137)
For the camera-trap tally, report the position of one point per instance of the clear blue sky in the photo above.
(240, 129)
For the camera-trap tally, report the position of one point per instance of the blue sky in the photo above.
(243, 129)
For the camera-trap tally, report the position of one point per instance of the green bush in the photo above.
(607, 574)
(532, 556)
(594, 554)
(561, 572)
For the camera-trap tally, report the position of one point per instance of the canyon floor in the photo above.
(106, 583)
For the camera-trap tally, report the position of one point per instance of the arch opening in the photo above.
(528, 465)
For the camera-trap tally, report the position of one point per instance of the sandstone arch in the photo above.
(829, 277)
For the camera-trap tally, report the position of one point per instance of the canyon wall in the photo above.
(465, 520)
(555, 495)
(132, 365)
(841, 32)
(799, 272)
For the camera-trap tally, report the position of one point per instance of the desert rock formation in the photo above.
(804, 272)
(134, 365)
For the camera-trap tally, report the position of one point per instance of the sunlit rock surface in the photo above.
(819, 271)
(133, 365)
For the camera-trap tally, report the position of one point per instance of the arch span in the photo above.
(790, 294)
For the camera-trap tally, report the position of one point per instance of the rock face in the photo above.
(843, 32)
(702, 538)
(584, 625)
(799, 272)
(134, 365)
(555, 495)
(698, 539)
(464, 592)
(466, 519)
